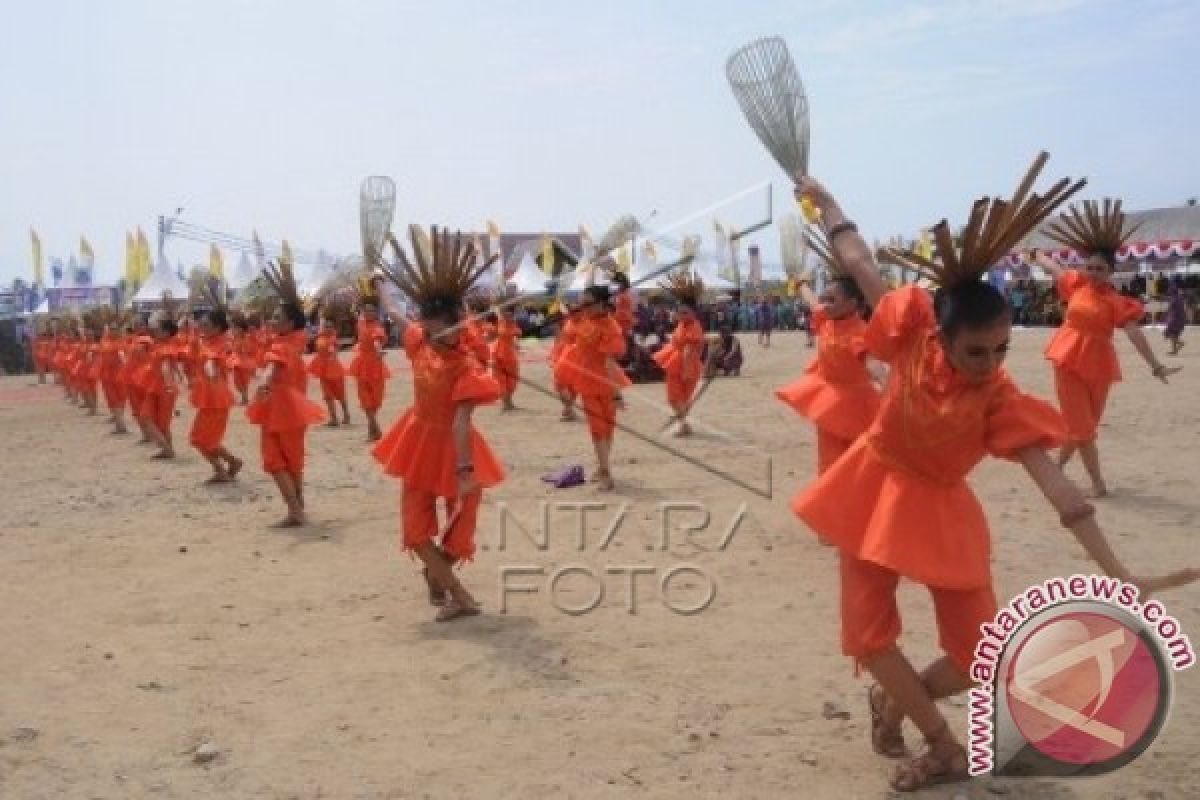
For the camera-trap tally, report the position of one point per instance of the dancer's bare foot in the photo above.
(455, 609)
(164, 455)
(604, 480)
(1098, 490)
(887, 733)
(684, 430)
(219, 477)
(333, 423)
(944, 761)
(567, 416)
(294, 519)
(235, 466)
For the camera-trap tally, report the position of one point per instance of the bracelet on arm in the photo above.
(1074, 516)
(465, 468)
(845, 226)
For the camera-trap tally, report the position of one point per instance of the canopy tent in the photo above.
(528, 278)
(162, 279)
(241, 275)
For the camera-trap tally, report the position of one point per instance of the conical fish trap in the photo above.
(767, 87)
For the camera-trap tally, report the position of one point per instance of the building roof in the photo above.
(1155, 225)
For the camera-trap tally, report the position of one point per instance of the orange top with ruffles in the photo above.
(367, 364)
(596, 340)
(212, 392)
(154, 373)
(244, 354)
(325, 364)
(835, 391)
(136, 357)
(92, 363)
(899, 496)
(419, 449)
(624, 311)
(675, 362)
(286, 407)
(1083, 345)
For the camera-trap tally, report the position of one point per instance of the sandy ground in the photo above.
(143, 614)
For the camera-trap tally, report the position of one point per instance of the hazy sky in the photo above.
(544, 115)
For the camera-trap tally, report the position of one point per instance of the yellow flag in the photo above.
(39, 276)
(85, 251)
(547, 255)
(131, 264)
(492, 228)
(285, 253)
(216, 264)
(144, 267)
(925, 245)
(792, 287)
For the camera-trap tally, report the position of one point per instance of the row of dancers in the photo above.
(905, 405)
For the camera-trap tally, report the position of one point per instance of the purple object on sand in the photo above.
(566, 477)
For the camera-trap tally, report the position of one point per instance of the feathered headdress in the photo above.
(993, 229)
(282, 279)
(212, 293)
(1092, 230)
(686, 286)
(97, 318)
(442, 276)
(338, 308)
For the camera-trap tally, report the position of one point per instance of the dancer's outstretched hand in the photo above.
(1150, 585)
(811, 187)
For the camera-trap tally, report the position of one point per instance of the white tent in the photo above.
(162, 279)
(242, 275)
(317, 276)
(706, 268)
(639, 271)
(529, 278)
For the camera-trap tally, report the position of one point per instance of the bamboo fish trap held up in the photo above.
(767, 86)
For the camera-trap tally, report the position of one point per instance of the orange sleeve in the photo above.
(902, 315)
(613, 341)
(1069, 282)
(818, 318)
(1019, 421)
(1126, 309)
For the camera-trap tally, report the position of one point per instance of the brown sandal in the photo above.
(944, 761)
(885, 740)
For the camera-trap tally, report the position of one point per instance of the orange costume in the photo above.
(327, 368)
(419, 449)
(596, 341)
(285, 412)
(243, 361)
(210, 395)
(1085, 361)
(835, 392)
(475, 334)
(505, 366)
(112, 372)
(367, 367)
(562, 355)
(681, 360)
(897, 504)
(137, 360)
(158, 393)
(624, 311)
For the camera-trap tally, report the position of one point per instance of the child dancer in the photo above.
(836, 392)
(562, 355)
(280, 406)
(367, 367)
(243, 361)
(1085, 361)
(160, 379)
(326, 366)
(506, 367)
(594, 376)
(112, 370)
(210, 394)
(682, 357)
(897, 503)
(434, 449)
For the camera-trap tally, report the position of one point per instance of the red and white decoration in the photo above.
(1138, 251)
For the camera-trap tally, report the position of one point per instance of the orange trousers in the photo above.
(283, 451)
(370, 394)
(871, 619)
(334, 388)
(114, 395)
(418, 509)
(159, 409)
(601, 413)
(679, 391)
(1082, 404)
(208, 429)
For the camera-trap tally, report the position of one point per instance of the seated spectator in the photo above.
(724, 354)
